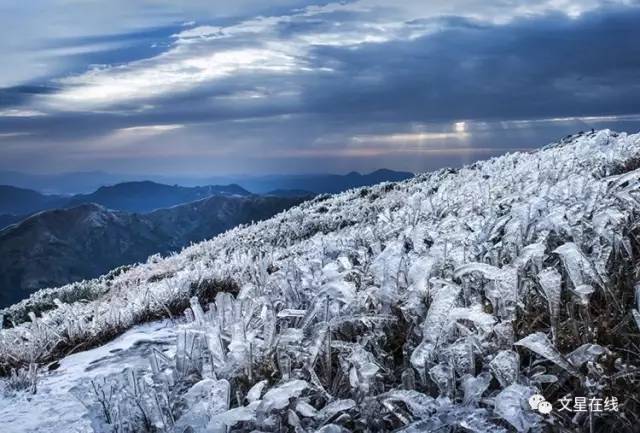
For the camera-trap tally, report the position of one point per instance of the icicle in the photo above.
(579, 268)
(478, 422)
(293, 420)
(396, 411)
(330, 428)
(327, 356)
(636, 311)
(551, 283)
(220, 396)
(584, 292)
(284, 362)
(636, 317)
(443, 300)
(269, 327)
(289, 313)
(540, 344)
(408, 379)
(220, 423)
(420, 405)
(530, 253)
(198, 313)
(363, 369)
(504, 294)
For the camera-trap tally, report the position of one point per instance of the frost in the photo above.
(505, 367)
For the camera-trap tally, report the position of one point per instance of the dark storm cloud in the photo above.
(551, 66)
(338, 80)
(546, 67)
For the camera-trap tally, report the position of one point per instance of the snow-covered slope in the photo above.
(440, 302)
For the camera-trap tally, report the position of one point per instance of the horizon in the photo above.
(73, 183)
(302, 87)
(201, 176)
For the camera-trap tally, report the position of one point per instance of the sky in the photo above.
(203, 87)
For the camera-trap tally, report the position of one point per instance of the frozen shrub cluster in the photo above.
(441, 303)
(21, 379)
(45, 299)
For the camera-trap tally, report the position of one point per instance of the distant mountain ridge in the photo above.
(19, 201)
(147, 196)
(321, 183)
(88, 182)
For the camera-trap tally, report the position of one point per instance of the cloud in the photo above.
(364, 79)
(16, 112)
(358, 50)
(148, 129)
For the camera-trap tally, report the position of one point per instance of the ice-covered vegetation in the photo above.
(437, 304)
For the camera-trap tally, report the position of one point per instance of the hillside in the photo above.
(441, 303)
(8, 219)
(66, 245)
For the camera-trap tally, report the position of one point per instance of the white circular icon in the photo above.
(535, 400)
(545, 407)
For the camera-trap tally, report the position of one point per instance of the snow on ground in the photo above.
(54, 408)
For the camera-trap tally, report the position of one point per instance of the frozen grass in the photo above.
(438, 303)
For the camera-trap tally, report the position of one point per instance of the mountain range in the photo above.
(144, 196)
(60, 246)
(48, 240)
